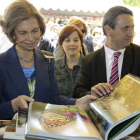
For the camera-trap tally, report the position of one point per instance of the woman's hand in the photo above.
(84, 101)
(21, 102)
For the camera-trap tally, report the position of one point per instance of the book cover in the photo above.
(120, 108)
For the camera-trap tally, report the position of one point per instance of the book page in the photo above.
(61, 120)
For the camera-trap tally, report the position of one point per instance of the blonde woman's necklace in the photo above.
(25, 60)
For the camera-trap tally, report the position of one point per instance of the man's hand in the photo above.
(84, 101)
(101, 89)
(21, 102)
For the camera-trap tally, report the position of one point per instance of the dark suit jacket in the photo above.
(94, 69)
(89, 45)
(13, 82)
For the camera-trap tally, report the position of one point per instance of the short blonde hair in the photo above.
(17, 12)
(74, 20)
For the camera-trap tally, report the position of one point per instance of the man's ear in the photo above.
(108, 30)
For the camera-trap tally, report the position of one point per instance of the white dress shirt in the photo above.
(109, 61)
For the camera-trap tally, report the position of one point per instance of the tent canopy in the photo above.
(77, 5)
(81, 13)
(88, 8)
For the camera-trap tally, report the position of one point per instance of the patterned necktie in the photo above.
(114, 77)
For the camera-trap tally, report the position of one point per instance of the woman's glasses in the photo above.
(83, 31)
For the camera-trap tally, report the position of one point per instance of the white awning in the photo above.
(87, 7)
(78, 5)
(83, 8)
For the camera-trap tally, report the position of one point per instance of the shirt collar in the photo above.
(109, 52)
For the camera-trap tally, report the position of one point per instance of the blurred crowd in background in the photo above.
(52, 31)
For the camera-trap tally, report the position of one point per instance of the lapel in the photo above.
(41, 68)
(15, 71)
(127, 61)
(101, 66)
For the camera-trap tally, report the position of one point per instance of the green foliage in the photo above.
(134, 3)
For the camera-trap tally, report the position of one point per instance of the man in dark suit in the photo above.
(118, 26)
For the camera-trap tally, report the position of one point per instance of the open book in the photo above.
(118, 114)
(59, 122)
(115, 116)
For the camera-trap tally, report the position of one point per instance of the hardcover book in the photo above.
(118, 114)
(111, 117)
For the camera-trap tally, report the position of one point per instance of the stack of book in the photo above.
(3, 125)
(111, 117)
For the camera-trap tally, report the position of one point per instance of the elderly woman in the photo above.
(68, 68)
(87, 46)
(27, 74)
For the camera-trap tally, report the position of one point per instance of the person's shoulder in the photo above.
(58, 62)
(134, 47)
(92, 57)
(93, 54)
(89, 37)
(2, 55)
(48, 55)
(45, 39)
(87, 41)
(58, 52)
(57, 49)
